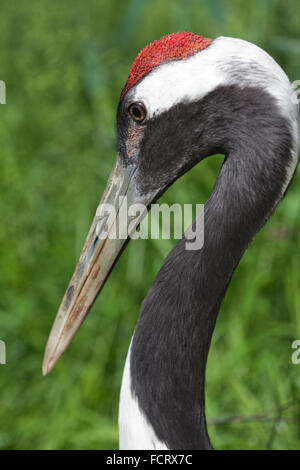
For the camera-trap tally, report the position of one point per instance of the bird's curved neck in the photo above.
(171, 342)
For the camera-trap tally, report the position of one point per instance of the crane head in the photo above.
(179, 104)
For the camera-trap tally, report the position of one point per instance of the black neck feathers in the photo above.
(172, 338)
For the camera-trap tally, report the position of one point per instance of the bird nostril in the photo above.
(95, 241)
(93, 246)
(99, 228)
(70, 293)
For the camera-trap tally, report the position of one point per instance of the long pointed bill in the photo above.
(112, 225)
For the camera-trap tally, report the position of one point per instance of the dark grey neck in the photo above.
(177, 319)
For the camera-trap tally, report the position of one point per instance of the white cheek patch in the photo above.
(179, 81)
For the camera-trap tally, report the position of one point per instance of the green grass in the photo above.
(64, 64)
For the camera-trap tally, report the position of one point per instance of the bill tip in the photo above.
(46, 369)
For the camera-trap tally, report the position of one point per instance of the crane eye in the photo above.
(137, 111)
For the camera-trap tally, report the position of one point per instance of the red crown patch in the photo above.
(175, 46)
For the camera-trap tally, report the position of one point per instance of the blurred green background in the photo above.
(64, 64)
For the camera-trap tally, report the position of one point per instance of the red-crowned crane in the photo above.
(186, 97)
